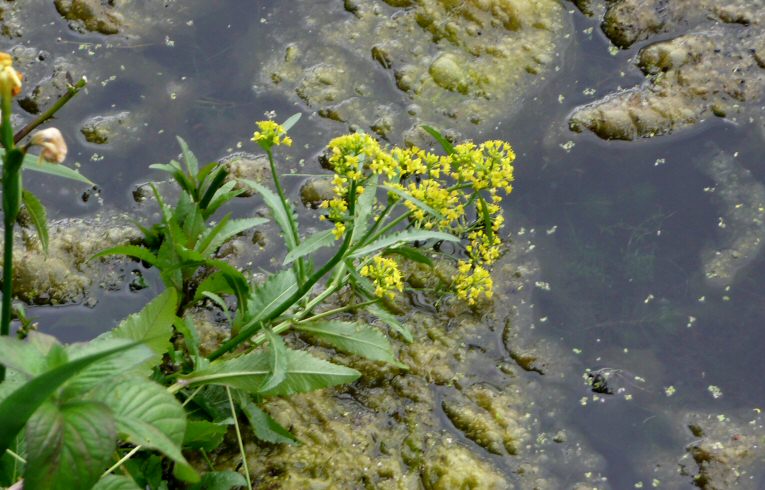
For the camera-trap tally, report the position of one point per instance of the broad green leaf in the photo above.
(188, 157)
(134, 251)
(212, 238)
(353, 338)
(22, 357)
(410, 253)
(214, 283)
(188, 330)
(445, 143)
(311, 244)
(221, 197)
(220, 480)
(33, 162)
(266, 297)
(153, 325)
(407, 197)
(147, 415)
(405, 236)
(291, 121)
(16, 409)
(201, 434)
(116, 482)
(250, 372)
(277, 360)
(280, 215)
(38, 215)
(106, 370)
(68, 446)
(263, 426)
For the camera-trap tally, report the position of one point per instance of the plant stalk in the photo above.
(71, 92)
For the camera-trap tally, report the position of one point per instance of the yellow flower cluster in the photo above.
(486, 166)
(443, 201)
(351, 153)
(10, 79)
(271, 134)
(385, 275)
(472, 282)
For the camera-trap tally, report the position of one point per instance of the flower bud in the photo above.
(10, 79)
(52, 143)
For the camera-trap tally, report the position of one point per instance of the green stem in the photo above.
(71, 92)
(335, 311)
(386, 229)
(299, 263)
(239, 438)
(249, 330)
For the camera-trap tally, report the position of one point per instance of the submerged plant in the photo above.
(121, 409)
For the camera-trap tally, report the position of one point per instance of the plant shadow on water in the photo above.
(621, 226)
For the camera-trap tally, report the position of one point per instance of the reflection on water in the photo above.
(622, 228)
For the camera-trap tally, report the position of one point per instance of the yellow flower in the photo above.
(339, 230)
(488, 166)
(472, 282)
(52, 143)
(350, 154)
(10, 79)
(271, 134)
(434, 195)
(385, 275)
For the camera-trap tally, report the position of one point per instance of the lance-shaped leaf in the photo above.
(34, 163)
(39, 217)
(68, 446)
(16, 409)
(291, 121)
(311, 244)
(263, 425)
(214, 237)
(153, 324)
(277, 362)
(445, 143)
(266, 297)
(251, 371)
(277, 211)
(353, 338)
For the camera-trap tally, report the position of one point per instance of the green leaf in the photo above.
(38, 215)
(250, 372)
(364, 207)
(405, 236)
(16, 409)
(311, 244)
(147, 415)
(277, 211)
(266, 297)
(201, 434)
(407, 197)
(116, 482)
(277, 360)
(291, 121)
(68, 446)
(188, 330)
(135, 251)
(220, 480)
(23, 357)
(263, 426)
(33, 162)
(486, 219)
(214, 283)
(353, 338)
(153, 325)
(216, 182)
(221, 197)
(410, 253)
(212, 238)
(445, 143)
(192, 165)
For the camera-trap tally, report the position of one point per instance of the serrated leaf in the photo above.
(116, 482)
(68, 446)
(291, 121)
(39, 217)
(364, 206)
(263, 425)
(445, 143)
(271, 199)
(277, 360)
(311, 244)
(250, 372)
(266, 297)
(188, 330)
(405, 236)
(147, 415)
(153, 325)
(212, 238)
(33, 162)
(134, 251)
(22, 357)
(410, 253)
(353, 338)
(192, 165)
(17, 407)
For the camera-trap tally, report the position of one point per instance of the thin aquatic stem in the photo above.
(387, 228)
(239, 438)
(72, 90)
(121, 461)
(335, 311)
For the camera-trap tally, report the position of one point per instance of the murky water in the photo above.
(622, 227)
